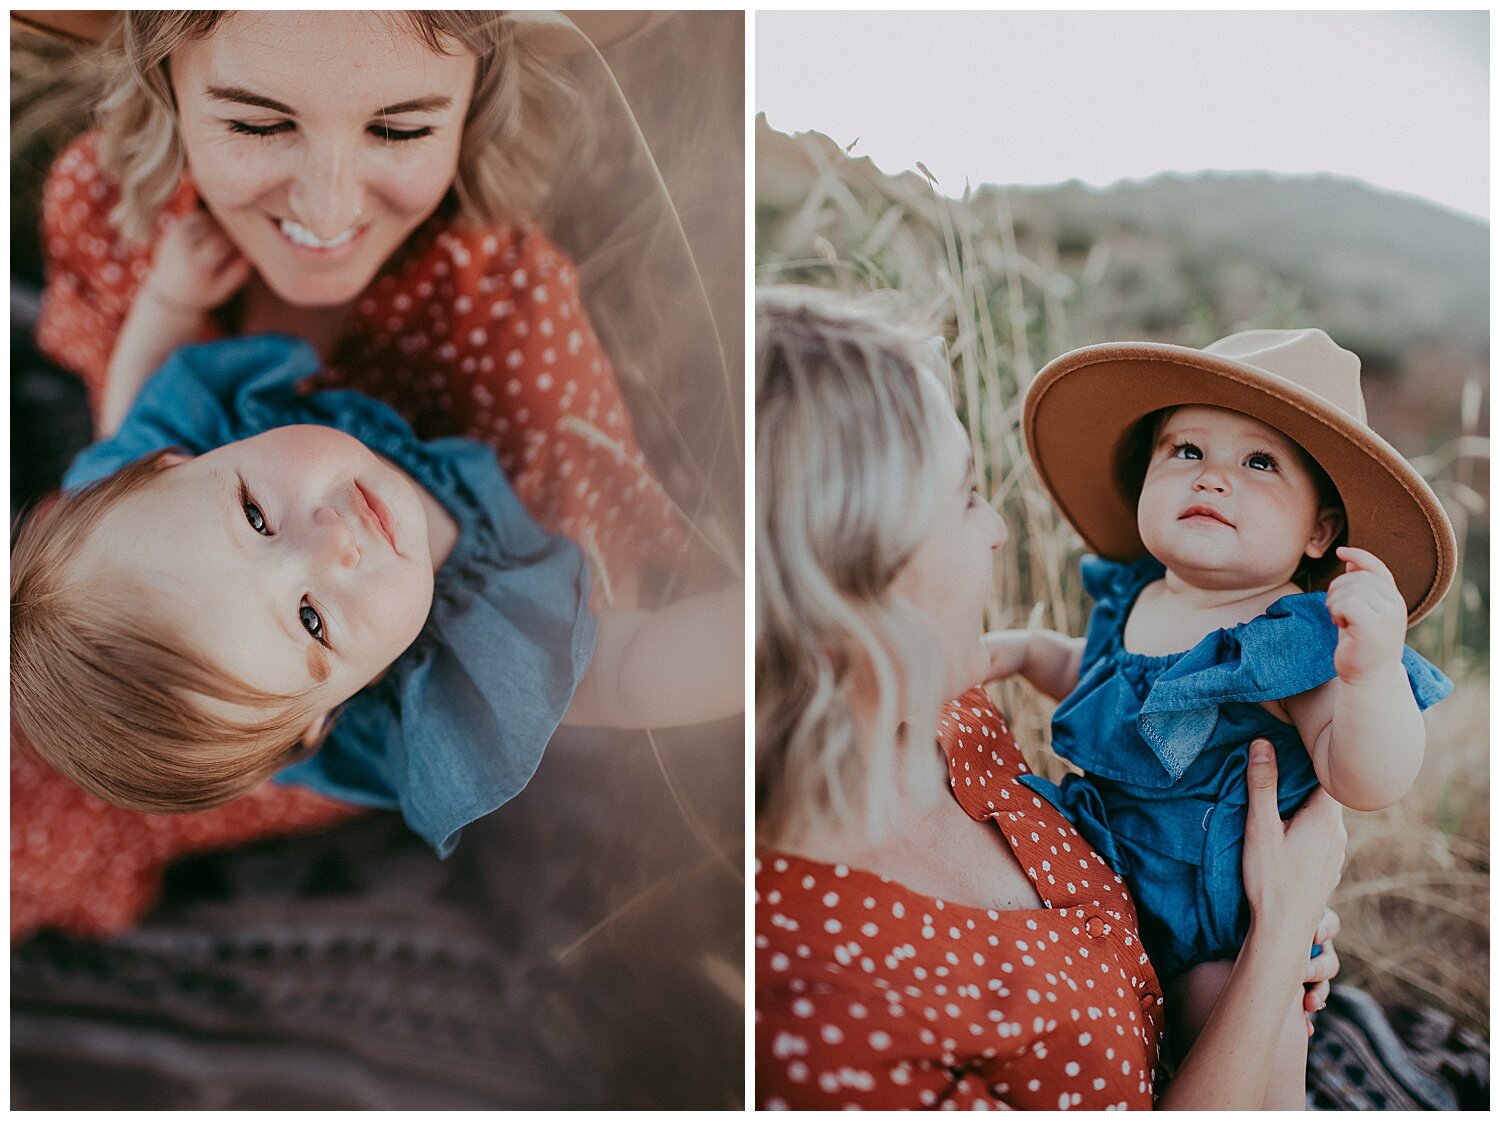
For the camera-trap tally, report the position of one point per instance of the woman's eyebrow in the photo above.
(245, 97)
(436, 103)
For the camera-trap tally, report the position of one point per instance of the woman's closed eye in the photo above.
(245, 128)
(380, 130)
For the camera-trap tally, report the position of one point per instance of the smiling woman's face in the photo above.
(320, 141)
(296, 561)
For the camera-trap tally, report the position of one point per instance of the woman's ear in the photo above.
(1326, 530)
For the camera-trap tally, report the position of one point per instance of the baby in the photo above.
(245, 579)
(1218, 487)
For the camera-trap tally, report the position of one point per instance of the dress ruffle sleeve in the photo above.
(458, 725)
(1286, 651)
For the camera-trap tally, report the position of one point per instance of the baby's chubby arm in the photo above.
(1364, 729)
(682, 664)
(1047, 659)
(195, 269)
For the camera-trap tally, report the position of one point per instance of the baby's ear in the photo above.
(312, 735)
(1325, 532)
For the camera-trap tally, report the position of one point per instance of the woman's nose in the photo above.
(331, 541)
(326, 192)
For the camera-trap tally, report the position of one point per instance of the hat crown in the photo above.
(1307, 358)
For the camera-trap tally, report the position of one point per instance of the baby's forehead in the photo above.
(1217, 420)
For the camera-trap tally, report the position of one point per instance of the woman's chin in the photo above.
(313, 291)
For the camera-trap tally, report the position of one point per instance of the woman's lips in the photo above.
(1204, 513)
(375, 510)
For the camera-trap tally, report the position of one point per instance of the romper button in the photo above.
(1094, 928)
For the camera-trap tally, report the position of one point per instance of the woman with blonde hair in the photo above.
(367, 182)
(916, 947)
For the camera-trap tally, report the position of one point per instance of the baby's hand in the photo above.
(196, 267)
(1370, 615)
(1007, 652)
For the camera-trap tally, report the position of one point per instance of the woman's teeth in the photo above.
(301, 235)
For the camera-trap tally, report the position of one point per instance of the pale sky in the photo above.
(1397, 99)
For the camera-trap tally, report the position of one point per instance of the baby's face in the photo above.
(296, 560)
(1227, 502)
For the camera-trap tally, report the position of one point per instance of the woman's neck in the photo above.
(262, 310)
(858, 838)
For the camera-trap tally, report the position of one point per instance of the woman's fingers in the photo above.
(1262, 817)
(1328, 926)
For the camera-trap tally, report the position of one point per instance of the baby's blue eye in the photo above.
(253, 515)
(312, 622)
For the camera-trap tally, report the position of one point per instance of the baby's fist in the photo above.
(196, 267)
(1370, 614)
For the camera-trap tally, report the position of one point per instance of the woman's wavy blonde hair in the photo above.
(107, 696)
(510, 145)
(844, 496)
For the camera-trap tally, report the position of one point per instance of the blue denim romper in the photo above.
(1164, 743)
(456, 726)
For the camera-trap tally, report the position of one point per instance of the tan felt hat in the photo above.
(1083, 407)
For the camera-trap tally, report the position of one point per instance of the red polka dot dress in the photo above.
(474, 333)
(870, 995)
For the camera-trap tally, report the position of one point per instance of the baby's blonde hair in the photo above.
(844, 496)
(112, 698)
(507, 155)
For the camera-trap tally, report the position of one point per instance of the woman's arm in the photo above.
(1291, 868)
(196, 269)
(683, 664)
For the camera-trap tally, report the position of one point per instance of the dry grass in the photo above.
(1415, 896)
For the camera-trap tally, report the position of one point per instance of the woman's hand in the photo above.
(1322, 969)
(195, 268)
(1291, 867)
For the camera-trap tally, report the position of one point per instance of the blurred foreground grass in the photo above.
(1415, 895)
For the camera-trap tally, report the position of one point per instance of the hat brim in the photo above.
(1084, 405)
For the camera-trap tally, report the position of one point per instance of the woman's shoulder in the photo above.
(456, 255)
(983, 759)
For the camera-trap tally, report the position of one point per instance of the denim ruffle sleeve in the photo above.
(1286, 651)
(204, 397)
(459, 724)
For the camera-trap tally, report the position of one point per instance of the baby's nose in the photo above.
(1211, 479)
(333, 540)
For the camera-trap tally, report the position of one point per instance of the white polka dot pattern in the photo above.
(871, 995)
